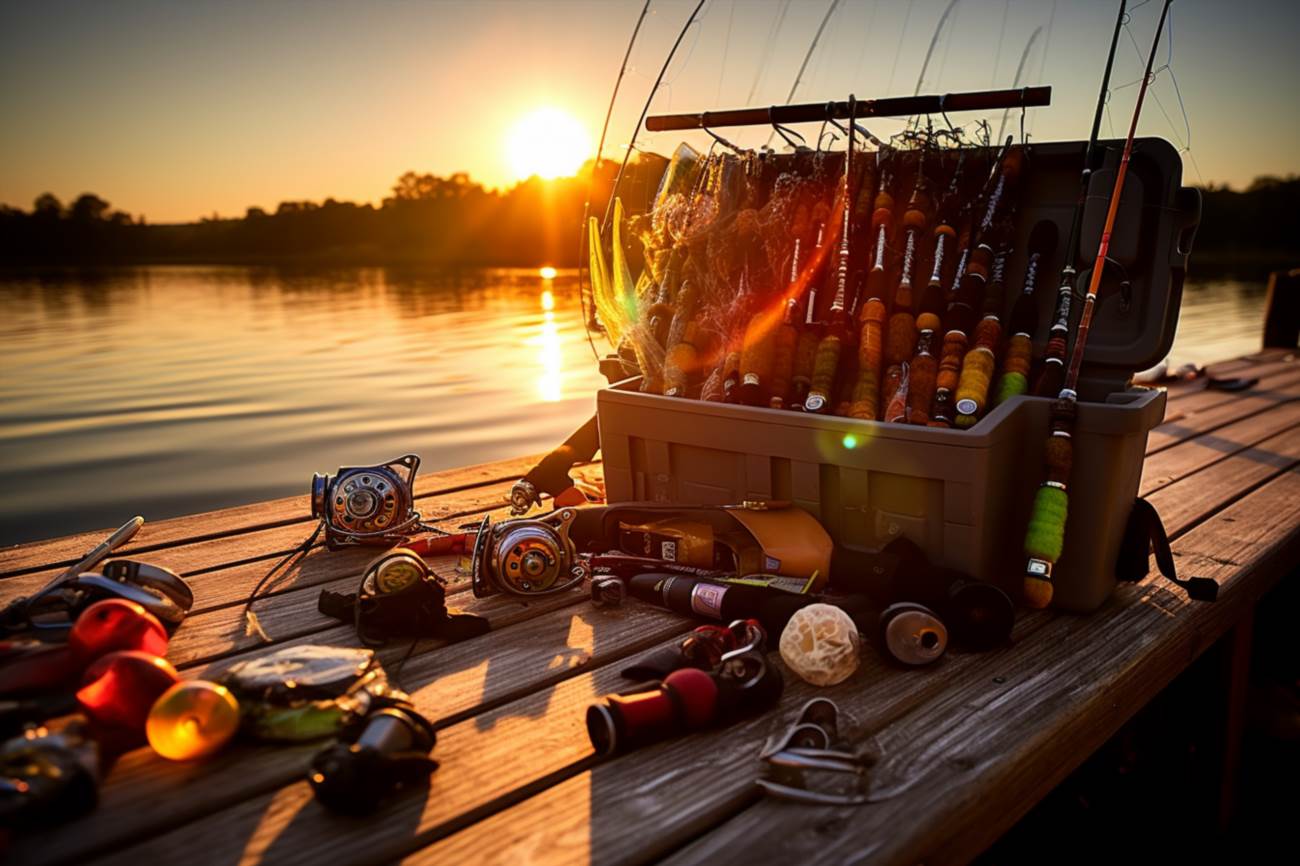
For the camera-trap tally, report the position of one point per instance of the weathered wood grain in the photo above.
(461, 685)
(245, 518)
(972, 762)
(941, 759)
(509, 790)
(1165, 467)
(1265, 396)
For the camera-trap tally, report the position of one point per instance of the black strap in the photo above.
(1146, 533)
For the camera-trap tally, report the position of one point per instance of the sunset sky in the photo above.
(184, 109)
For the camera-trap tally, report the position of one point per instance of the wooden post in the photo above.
(1282, 310)
(1239, 641)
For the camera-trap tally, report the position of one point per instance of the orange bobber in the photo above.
(192, 719)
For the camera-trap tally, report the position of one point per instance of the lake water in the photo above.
(171, 390)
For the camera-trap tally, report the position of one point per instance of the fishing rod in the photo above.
(1045, 535)
(874, 313)
(798, 78)
(1019, 355)
(972, 277)
(645, 109)
(902, 335)
(827, 360)
(591, 181)
(924, 366)
(1052, 376)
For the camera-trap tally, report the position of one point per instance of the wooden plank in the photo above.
(245, 518)
(1197, 397)
(967, 766)
(259, 549)
(1165, 467)
(954, 761)
(1204, 492)
(1262, 398)
(456, 684)
(638, 807)
(1242, 368)
(481, 763)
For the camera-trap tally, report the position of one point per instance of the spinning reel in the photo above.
(527, 557)
(368, 505)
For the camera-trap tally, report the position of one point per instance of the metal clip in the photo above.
(806, 746)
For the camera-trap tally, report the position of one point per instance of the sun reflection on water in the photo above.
(550, 354)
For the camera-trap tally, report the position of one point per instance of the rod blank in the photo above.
(893, 106)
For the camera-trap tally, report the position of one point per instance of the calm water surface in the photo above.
(171, 390)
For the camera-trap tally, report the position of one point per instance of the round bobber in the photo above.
(115, 624)
(192, 719)
(119, 690)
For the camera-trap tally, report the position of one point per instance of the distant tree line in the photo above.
(455, 221)
(427, 220)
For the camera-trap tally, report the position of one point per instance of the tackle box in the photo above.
(963, 495)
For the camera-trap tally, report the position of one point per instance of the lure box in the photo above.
(963, 495)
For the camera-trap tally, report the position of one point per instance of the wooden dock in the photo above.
(966, 746)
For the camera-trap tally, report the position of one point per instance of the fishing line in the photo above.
(1020, 69)
(947, 49)
(808, 56)
(726, 44)
(1184, 145)
(591, 181)
(773, 32)
(902, 36)
(934, 40)
(1002, 32)
(1042, 65)
(252, 626)
(645, 109)
(862, 53)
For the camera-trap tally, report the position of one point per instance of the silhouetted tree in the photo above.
(87, 207)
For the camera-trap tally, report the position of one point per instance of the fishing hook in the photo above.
(704, 125)
(785, 132)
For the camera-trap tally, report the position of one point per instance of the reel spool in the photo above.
(371, 505)
(527, 557)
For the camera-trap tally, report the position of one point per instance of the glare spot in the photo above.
(548, 300)
(850, 441)
(546, 273)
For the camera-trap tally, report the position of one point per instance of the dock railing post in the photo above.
(1282, 310)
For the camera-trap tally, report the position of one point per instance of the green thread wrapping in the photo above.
(1011, 385)
(1046, 535)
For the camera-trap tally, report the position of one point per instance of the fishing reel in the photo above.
(376, 755)
(400, 596)
(527, 557)
(368, 505)
(160, 591)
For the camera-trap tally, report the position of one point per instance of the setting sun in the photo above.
(548, 143)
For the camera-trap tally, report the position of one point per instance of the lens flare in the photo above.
(548, 143)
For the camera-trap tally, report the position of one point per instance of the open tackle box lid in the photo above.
(1142, 286)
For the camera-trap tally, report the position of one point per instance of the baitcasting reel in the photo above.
(370, 505)
(527, 557)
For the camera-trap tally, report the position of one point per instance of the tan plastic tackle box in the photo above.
(963, 495)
